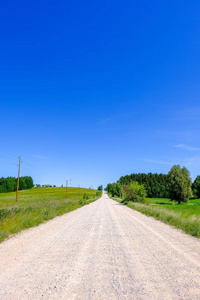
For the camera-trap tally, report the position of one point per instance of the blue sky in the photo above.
(93, 90)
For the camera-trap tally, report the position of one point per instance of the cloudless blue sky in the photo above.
(93, 90)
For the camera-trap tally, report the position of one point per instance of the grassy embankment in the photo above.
(37, 205)
(183, 216)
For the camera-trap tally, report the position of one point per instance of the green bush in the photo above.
(85, 196)
(98, 194)
(134, 192)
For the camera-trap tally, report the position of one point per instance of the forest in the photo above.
(156, 185)
(9, 184)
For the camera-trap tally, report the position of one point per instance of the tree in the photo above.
(29, 182)
(196, 187)
(135, 192)
(115, 189)
(9, 184)
(155, 184)
(100, 188)
(158, 190)
(179, 184)
(22, 183)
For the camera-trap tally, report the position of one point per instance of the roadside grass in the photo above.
(37, 205)
(184, 216)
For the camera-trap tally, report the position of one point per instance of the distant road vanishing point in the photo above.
(101, 251)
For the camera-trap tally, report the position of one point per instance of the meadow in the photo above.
(37, 205)
(185, 216)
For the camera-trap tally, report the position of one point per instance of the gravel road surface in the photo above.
(101, 251)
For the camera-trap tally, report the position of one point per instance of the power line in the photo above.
(9, 163)
(11, 160)
(38, 169)
(8, 155)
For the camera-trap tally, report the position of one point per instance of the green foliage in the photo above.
(115, 189)
(155, 184)
(98, 194)
(179, 185)
(82, 202)
(100, 188)
(134, 192)
(9, 184)
(85, 196)
(196, 187)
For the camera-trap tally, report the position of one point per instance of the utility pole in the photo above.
(66, 187)
(18, 178)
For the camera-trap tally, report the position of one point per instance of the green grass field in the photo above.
(183, 216)
(37, 205)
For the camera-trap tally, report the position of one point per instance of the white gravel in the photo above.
(101, 251)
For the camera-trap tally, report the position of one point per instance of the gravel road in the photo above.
(101, 251)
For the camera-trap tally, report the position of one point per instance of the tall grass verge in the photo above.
(184, 217)
(39, 205)
(189, 224)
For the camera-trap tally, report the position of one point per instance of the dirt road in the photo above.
(101, 251)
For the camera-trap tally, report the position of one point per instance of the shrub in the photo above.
(134, 192)
(98, 194)
(85, 196)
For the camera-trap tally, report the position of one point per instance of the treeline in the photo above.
(196, 187)
(9, 184)
(45, 185)
(156, 185)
